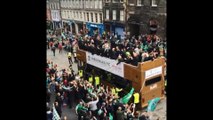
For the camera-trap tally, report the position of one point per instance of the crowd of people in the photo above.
(129, 50)
(90, 101)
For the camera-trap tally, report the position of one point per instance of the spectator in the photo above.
(93, 105)
(58, 109)
(49, 114)
(69, 56)
(120, 114)
(53, 49)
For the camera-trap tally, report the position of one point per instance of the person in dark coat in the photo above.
(53, 49)
(119, 114)
(48, 96)
(59, 99)
(71, 97)
(58, 109)
(112, 54)
(49, 114)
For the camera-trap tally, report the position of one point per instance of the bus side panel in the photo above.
(151, 94)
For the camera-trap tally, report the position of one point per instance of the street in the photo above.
(62, 62)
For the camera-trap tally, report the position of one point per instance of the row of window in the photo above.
(96, 4)
(131, 2)
(54, 6)
(82, 16)
(81, 4)
(114, 1)
(114, 15)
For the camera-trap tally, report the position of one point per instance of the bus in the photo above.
(147, 78)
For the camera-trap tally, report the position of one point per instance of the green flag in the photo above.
(127, 97)
(110, 116)
(80, 107)
(152, 104)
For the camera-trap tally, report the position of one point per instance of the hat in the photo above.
(127, 53)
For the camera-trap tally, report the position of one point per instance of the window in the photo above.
(96, 17)
(96, 4)
(152, 81)
(91, 17)
(62, 14)
(78, 13)
(91, 3)
(87, 4)
(87, 16)
(52, 6)
(114, 15)
(65, 14)
(68, 14)
(81, 3)
(100, 4)
(131, 2)
(65, 3)
(84, 16)
(58, 6)
(71, 14)
(121, 15)
(101, 20)
(77, 2)
(80, 16)
(139, 2)
(107, 14)
(72, 3)
(154, 3)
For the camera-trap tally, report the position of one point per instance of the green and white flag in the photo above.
(55, 114)
(62, 34)
(110, 116)
(127, 97)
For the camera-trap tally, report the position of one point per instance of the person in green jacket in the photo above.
(79, 109)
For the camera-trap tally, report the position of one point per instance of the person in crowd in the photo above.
(58, 109)
(120, 114)
(53, 49)
(60, 47)
(69, 56)
(49, 114)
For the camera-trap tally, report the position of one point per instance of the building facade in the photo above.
(145, 16)
(54, 6)
(115, 16)
(48, 16)
(82, 15)
(135, 17)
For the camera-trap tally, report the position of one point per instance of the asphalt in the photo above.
(62, 62)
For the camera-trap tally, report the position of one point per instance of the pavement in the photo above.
(62, 62)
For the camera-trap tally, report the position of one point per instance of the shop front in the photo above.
(95, 28)
(66, 25)
(56, 19)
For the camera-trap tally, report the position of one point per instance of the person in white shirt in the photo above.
(93, 105)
